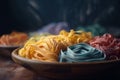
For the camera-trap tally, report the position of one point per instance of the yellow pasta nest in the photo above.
(47, 48)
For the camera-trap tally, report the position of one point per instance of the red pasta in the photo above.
(108, 44)
(13, 39)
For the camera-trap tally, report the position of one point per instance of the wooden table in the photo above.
(12, 71)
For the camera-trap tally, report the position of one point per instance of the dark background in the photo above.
(30, 15)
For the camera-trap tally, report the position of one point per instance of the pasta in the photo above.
(47, 48)
(81, 52)
(108, 44)
(13, 39)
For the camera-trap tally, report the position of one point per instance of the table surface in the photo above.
(12, 71)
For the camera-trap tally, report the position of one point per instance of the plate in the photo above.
(57, 70)
(7, 50)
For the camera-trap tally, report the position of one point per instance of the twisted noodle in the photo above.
(15, 38)
(81, 52)
(47, 48)
(108, 44)
(74, 37)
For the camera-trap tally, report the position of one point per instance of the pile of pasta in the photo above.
(108, 44)
(13, 39)
(48, 48)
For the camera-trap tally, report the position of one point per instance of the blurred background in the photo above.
(31, 15)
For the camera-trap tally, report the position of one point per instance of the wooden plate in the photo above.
(66, 70)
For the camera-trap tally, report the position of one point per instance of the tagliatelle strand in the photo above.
(47, 48)
(13, 39)
(108, 44)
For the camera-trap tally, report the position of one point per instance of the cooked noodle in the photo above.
(13, 39)
(47, 48)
